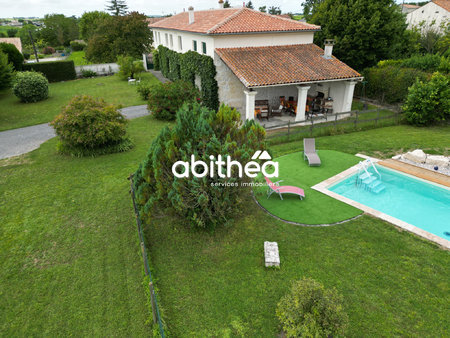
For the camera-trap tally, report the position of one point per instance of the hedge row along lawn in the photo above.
(70, 261)
(14, 114)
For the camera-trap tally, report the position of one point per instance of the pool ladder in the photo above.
(368, 180)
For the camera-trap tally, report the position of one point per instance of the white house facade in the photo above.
(261, 57)
(434, 14)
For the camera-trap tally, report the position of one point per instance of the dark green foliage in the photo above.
(309, 7)
(274, 10)
(311, 311)
(88, 73)
(12, 32)
(89, 127)
(54, 71)
(201, 132)
(427, 62)
(186, 66)
(117, 7)
(6, 70)
(156, 60)
(226, 4)
(428, 102)
(127, 35)
(390, 83)
(129, 67)
(14, 56)
(59, 30)
(30, 87)
(249, 5)
(89, 22)
(263, 9)
(365, 30)
(77, 46)
(165, 99)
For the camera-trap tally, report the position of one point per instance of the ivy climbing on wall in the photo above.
(185, 66)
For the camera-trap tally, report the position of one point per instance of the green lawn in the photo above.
(70, 261)
(14, 114)
(315, 208)
(78, 58)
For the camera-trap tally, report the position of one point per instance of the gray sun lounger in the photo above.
(309, 152)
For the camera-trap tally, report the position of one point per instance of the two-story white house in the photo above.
(259, 56)
(434, 14)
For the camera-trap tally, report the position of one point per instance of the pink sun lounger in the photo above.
(283, 189)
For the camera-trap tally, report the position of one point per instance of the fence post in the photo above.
(152, 297)
(356, 118)
(378, 116)
(289, 128)
(312, 126)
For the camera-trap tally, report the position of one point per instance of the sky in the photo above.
(38, 8)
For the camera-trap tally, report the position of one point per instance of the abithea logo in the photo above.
(219, 166)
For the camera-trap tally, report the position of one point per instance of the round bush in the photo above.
(311, 311)
(48, 50)
(89, 127)
(30, 86)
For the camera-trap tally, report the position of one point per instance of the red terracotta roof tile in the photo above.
(265, 66)
(445, 4)
(153, 20)
(232, 21)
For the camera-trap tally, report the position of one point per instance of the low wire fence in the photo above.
(154, 302)
(331, 124)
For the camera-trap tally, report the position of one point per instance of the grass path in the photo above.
(14, 114)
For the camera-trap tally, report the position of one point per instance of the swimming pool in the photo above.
(411, 200)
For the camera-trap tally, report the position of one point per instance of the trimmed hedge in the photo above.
(390, 83)
(54, 71)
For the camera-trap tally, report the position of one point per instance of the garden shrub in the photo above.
(14, 56)
(129, 67)
(90, 127)
(428, 102)
(311, 311)
(390, 83)
(6, 70)
(48, 50)
(144, 88)
(201, 132)
(164, 99)
(30, 86)
(88, 73)
(77, 46)
(54, 71)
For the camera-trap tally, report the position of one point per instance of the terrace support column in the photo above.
(301, 103)
(250, 104)
(348, 95)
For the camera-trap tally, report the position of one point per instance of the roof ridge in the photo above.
(228, 19)
(289, 45)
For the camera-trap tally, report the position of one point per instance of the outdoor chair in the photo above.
(264, 108)
(309, 152)
(283, 189)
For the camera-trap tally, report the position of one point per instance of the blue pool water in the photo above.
(414, 201)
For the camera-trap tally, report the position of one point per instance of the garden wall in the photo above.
(100, 69)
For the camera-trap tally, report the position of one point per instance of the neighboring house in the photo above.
(434, 14)
(14, 41)
(259, 56)
(408, 8)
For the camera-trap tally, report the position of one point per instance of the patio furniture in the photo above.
(283, 189)
(264, 108)
(277, 111)
(309, 152)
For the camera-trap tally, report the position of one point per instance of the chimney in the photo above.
(191, 14)
(329, 43)
(220, 3)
